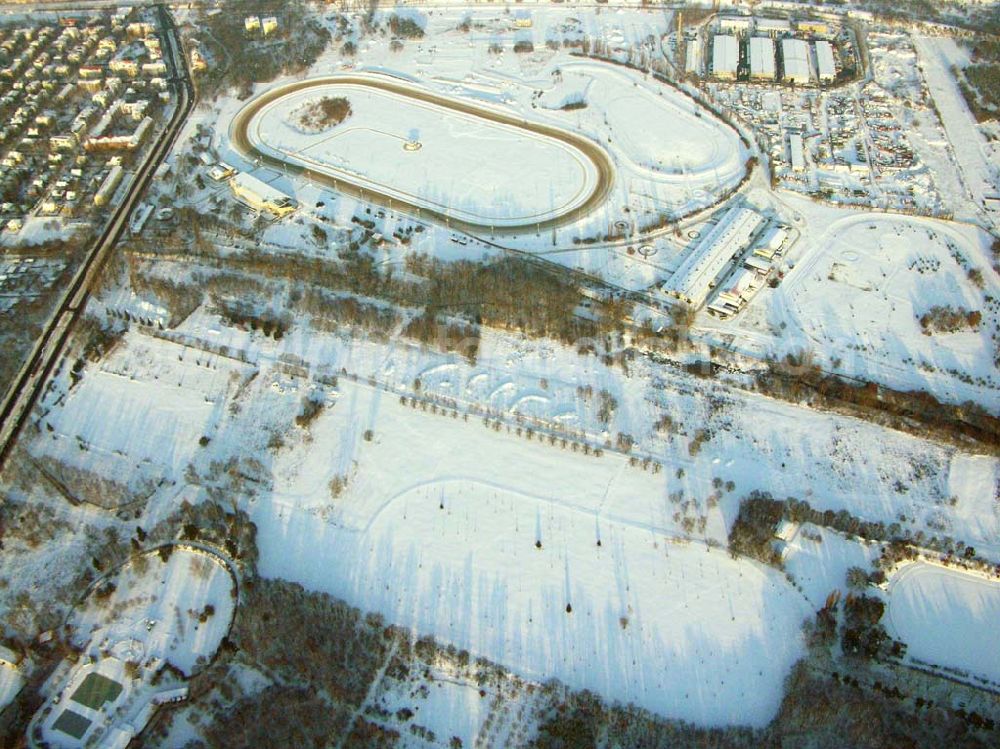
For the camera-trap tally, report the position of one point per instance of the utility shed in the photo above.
(725, 56)
(825, 62)
(762, 58)
(795, 53)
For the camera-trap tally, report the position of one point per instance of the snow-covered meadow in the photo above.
(483, 537)
(551, 563)
(947, 618)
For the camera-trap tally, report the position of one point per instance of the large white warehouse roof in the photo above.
(762, 57)
(725, 55)
(824, 60)
(796, 55)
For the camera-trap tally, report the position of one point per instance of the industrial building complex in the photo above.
(766, 49)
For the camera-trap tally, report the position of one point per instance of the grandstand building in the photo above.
(261, 196)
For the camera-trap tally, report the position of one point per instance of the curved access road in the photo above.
(343, 183)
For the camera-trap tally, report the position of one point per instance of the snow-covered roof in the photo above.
(118, 737)
(725, 54)
(824, 60)
(692, 62)
(773, 24)
(796, 56)
(774, 238)
(247, 184)
(734, 22)
(797, 152)
(762, 57)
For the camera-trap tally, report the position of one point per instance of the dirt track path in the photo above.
(594, 153)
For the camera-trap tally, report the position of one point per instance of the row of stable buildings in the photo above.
(739, 288)
(721, 267)
(713, 256)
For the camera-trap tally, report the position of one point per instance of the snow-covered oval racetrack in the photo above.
(476, 167)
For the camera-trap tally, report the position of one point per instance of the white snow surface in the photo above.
(153, 613)
(670, 625)
(946, 617)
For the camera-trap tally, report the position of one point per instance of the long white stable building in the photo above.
(692, 62)
(696, 276)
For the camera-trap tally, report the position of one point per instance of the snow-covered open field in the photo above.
(140, 413)
(437, 521)
(866, 289)
(664, 136)
(153, 612)
(440, 535)
(946, 617)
